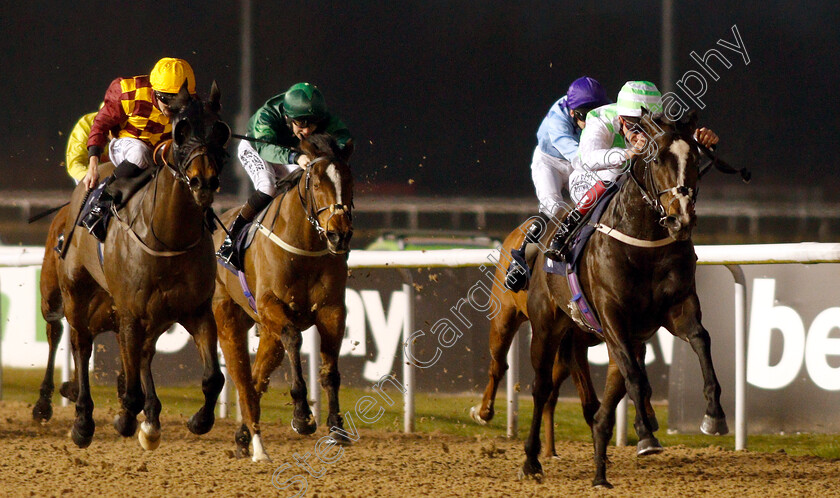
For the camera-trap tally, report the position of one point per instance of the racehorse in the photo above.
(296, 270)
(102, 317)
(570, 360)
(638, 270)
(157, 266)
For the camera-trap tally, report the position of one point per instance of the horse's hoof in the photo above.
(474, 413)
(82, 433)
(649, 446)
(200, 424)
(602, 484)
(305, 427)
(149, 437)
(259, 452)
(125, 425)
(42, 411)
(531, 471)
(340, 438)
(69, 391)
(714, 426)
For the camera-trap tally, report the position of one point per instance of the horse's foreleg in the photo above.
(641, 349)
(603, 422)
(579, 366)
(84, 426)
(684, 321)
(303, 422)
(132, 398)
(233, 324)
(626, 357)
(503, 328)
(330, 322)
(202, 327)
(149, 434)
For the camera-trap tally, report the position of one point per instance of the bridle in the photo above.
(648, 186)
(310, 205)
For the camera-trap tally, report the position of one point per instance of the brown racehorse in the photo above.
(633, 289)
(102, 317)
(158, 267)
(296, 270)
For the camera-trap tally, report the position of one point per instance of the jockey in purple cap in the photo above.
(557, 144)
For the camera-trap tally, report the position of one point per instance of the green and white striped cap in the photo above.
(637, 94)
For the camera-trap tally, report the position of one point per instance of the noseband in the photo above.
(310, 206)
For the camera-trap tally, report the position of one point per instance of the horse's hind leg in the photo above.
(559, 373)
(544, 344)
(503, 328)
(330, 322)
(202, 327)
(684, 321)
(233, 324)
(42, 411)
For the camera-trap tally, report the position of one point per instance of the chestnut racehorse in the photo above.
(157, 266)
(296, 270)
(637, 281)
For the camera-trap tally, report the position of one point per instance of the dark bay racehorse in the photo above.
(634, 290)
(158, 268)
(571, 358)
(296, 270)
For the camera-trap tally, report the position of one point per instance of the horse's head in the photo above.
(669, 170)
(199, 139)
(329, 190)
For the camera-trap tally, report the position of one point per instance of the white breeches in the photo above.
(550, 176)
(263, 174)
(130, 149)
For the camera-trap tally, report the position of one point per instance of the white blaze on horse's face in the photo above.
(681, 151)
(332, 174)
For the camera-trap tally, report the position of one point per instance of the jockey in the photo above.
(137, 109)
(557, 144)
(278, 127)
(76, 155)
(604, 153)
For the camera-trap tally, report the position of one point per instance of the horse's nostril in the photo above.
(214, 183)
(194, 182)
(334, 237)
(672, 223)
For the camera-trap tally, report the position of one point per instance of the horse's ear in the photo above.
(308, 148)
(688, 122)
(215, 98)
(182, 131)
(347, 150)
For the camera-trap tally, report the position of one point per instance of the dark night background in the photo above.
(459, 87)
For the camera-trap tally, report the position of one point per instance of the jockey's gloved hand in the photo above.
(706, 137)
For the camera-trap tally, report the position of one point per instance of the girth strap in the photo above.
(292, 249)
(633, 241)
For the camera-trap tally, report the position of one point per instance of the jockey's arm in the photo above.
(563, 138)
(596, 151)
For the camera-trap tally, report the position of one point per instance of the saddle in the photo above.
(120, 190)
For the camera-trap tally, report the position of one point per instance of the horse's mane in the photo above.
(325, 144)
(289, 182)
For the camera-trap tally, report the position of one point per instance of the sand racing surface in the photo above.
(42, 461)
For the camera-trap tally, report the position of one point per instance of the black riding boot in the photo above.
(256, 203)
(94, 220)
(560, 242)
(518, 274)
(226, 252)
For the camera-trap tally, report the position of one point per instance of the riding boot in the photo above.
(94, 220)
(226, 251)
(560, 242)
(256, 203)
(518, 274)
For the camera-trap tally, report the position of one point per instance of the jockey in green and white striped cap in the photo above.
(637, 94)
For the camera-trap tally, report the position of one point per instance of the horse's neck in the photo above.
(630, 214)
(170, 211)
(291, 220)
